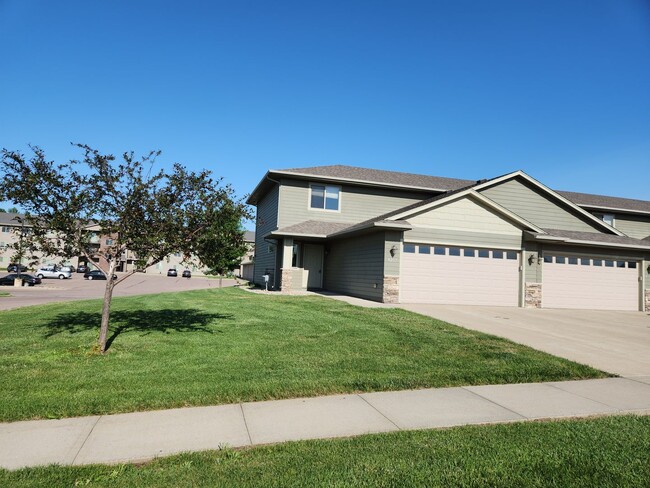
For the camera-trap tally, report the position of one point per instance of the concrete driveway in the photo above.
(616, 342)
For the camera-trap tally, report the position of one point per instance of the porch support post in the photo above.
(287, 258)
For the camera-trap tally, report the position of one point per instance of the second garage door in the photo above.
(457, 275)
(590, 283)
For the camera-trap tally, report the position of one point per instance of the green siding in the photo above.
(357, 203)
(266, 221)
(463, 237)
(355, 266)
(633, 225)
(531, 204)
(392, 263)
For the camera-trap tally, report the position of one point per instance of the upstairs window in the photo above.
(325, 197)
(607, 218)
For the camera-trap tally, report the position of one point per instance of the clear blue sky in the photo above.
(467, 89)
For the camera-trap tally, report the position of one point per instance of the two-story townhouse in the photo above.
(399, 237)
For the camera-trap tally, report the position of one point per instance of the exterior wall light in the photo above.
(393, 251)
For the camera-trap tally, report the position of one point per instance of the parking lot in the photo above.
(76, 288)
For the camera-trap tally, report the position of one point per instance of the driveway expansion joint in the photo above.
(248, 432)
(524, 417)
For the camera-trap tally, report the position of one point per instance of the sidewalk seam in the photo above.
(85, 440)
(497, 404)
(379, 411)
(584, 397)
(248, 432)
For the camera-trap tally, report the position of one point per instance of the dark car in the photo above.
(172, 272)
(96, 274)
(16, 268)
(28, 280)
(187, 273)
(82, 268)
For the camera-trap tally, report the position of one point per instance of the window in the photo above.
(454, 251)
(469, 253)
(109, 242)
(439, 250)
(325, 197)
(548, 259)
(573, 260)
(609, 264)
(620, 264)
(410, 248)
(483, 253)
(598, 262)
(6, 229)
(424, 249)
(560, 260)
(511, 255)
(631, 264)
(497, 254)
(608, 219)
(584, 261)
(296, 261)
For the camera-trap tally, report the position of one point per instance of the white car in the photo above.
(53, 272)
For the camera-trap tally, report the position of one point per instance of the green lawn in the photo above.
(227, 345)
(605, 452)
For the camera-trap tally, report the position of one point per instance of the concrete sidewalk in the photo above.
(142, 436)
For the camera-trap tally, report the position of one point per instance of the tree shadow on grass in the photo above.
(143, 321)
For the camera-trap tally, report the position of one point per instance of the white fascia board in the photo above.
(471, 192)
(556, 195)
(614, 209)
(357, 181)
(297, 234)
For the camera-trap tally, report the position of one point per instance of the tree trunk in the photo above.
(220, 281)
(106, 307)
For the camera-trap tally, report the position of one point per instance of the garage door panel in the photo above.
(449, 279)
(590, 287)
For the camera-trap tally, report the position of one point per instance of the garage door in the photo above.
(590, 283)
(456, 275)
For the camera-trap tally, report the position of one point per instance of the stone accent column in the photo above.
(647, 300)
(286, 280)
(390, 290)
(533, 295)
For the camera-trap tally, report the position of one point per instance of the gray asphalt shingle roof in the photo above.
(602, 201)
(596, 237)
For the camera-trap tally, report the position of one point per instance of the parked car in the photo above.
(68, 268)
(82, 268)
(16, 268)
(96, 274)
(172, 272)
(28, 279)
(53, 272)
(187, 273)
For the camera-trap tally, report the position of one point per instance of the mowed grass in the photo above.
(222, 346)
(605, 452)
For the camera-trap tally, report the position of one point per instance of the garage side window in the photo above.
(409, 248)
(424, 249)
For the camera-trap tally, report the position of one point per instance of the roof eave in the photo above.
(567, 240)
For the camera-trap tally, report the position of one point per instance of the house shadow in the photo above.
(144, 322)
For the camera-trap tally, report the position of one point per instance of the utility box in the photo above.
(266, 281)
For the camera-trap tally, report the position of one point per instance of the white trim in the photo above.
(297, 234)
(363, 182)
(553, 193)
(461, 244)
(588, 243)
(470, 192)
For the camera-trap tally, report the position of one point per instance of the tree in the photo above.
(150, 213)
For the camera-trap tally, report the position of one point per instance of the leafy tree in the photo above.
(150, 213)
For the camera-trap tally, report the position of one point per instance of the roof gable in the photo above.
(537, 203)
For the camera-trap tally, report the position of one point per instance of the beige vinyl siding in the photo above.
(266, 221)
(392, 263)
(636, 226)
(356, 203)
(355, 266)
(464, 222)
(532, 205)
(532, 271)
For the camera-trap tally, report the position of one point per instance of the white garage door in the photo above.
(455, 275)
(588, 283)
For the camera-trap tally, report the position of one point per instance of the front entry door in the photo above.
(313, 264)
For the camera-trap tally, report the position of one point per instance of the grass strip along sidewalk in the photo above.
(610, 451)
(210, 347)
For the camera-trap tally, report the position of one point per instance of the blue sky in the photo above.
(466, 89)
